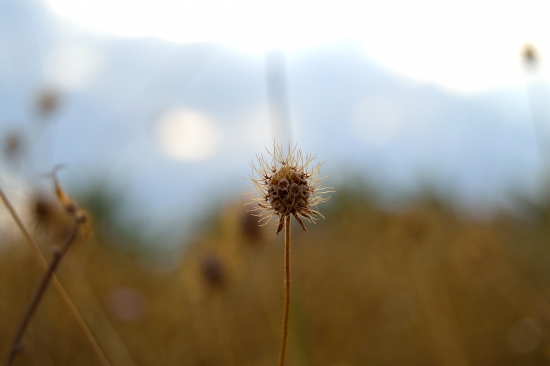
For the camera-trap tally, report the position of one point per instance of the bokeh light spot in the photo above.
(188, 135)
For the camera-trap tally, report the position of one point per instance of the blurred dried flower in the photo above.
(43, 209)
(48, 102)
(287, 186)
(13, 146)
(213, 271)
(530, 56)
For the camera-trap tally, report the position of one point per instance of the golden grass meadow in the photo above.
(425, 285)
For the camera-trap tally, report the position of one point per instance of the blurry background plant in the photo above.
(434, 250)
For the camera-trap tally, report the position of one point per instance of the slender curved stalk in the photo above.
(286, 309)
(66, 299)
(16, 343)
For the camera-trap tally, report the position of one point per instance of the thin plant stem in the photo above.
(64, 296)
(286, 309)
(33, 305)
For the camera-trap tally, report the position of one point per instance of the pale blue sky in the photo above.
(178, 123)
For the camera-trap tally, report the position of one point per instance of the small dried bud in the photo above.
(43, 210)
(68, 203)
(48, 102)
(14, 146)
(213, 271)
(530, 56)
(85, 222)
(287, 187)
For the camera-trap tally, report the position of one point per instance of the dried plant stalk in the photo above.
(287, 186)
(33, 305)
(64, 296)
(286, 310)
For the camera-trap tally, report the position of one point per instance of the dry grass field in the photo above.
(424, 285)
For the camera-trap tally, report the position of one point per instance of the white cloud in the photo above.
(465, 46)
(72, 66)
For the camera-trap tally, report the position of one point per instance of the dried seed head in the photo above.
(287, 186)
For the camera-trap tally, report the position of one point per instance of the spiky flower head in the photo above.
(287, 185)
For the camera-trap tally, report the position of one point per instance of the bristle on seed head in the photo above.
(287, 185)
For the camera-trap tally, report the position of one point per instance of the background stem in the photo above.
(16, 343)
